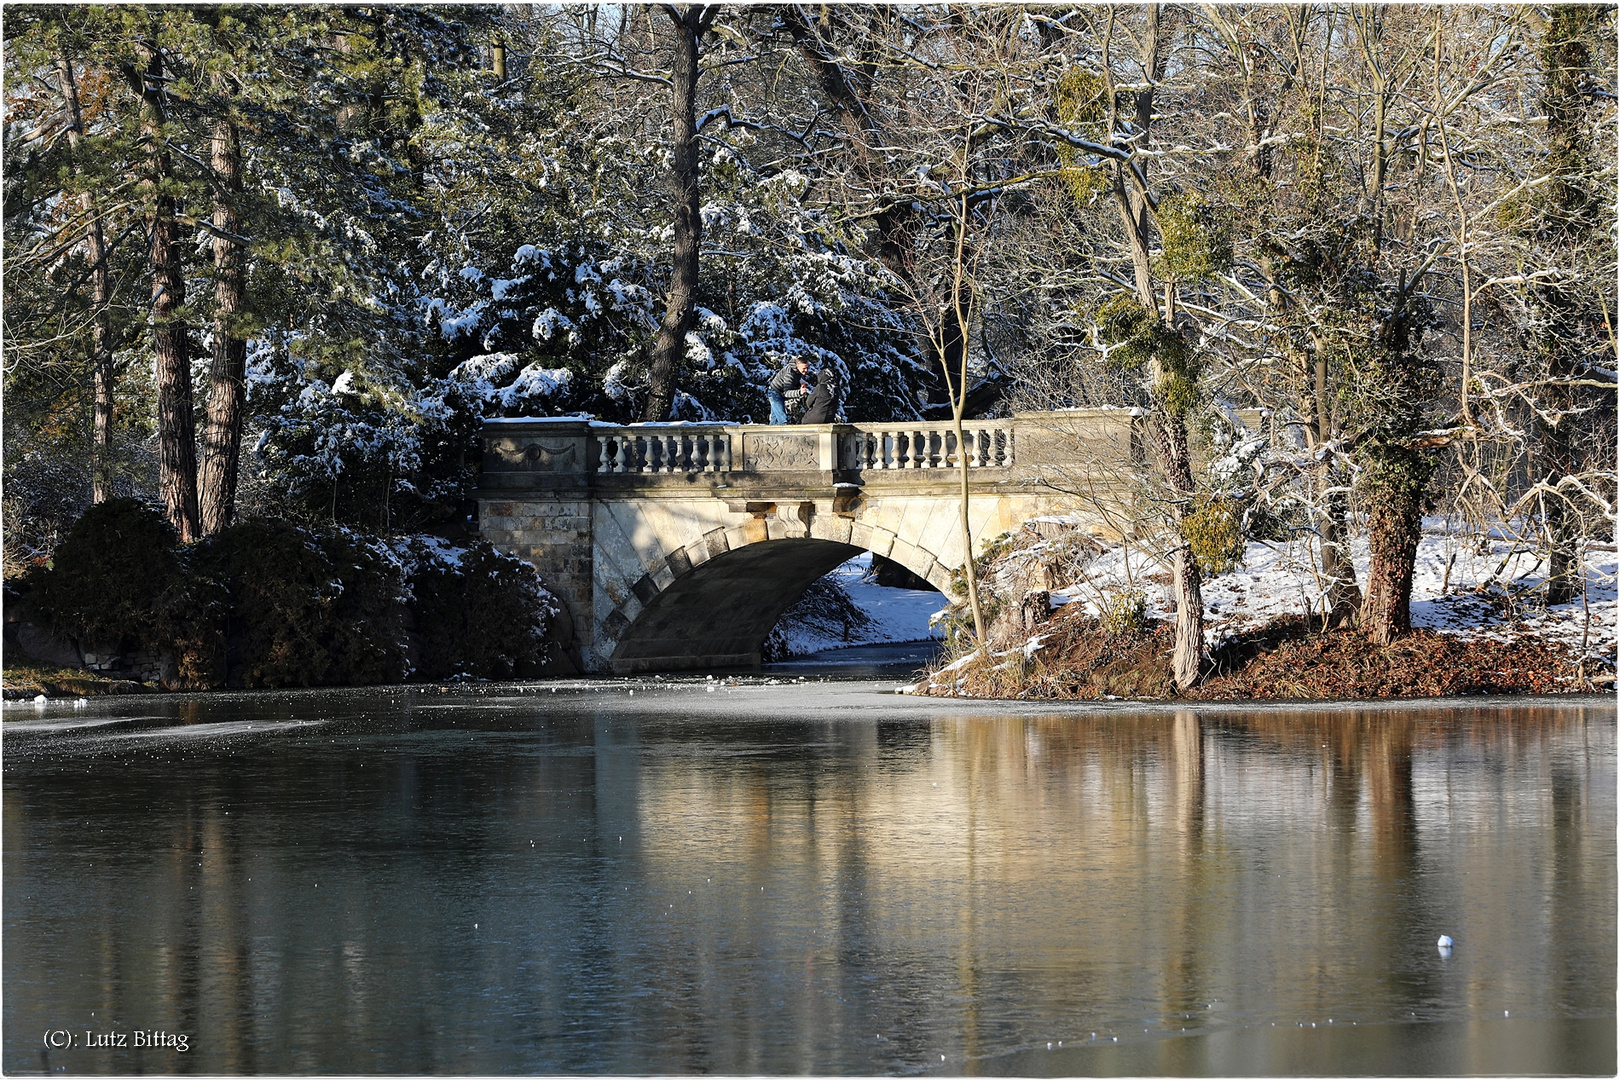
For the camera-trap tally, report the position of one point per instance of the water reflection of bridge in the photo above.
(678, 546)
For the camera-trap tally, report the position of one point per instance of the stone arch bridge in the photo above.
(676, 547)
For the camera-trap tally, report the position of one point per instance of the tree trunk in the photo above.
(222, 432)
(690, 23)
(1187, 580)
(177, 449)
(954, 327)
(1572, 222)
(101, 329)
(1394, 525)
(1563, 563)
(1170, 426)
(1343, 594)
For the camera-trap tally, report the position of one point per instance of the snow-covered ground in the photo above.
(1446, 595)
(897, 614)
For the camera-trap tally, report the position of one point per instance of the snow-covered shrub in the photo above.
(478, 612)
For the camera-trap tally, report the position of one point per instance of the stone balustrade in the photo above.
(671, 449)
(568, 452)
(882, 447)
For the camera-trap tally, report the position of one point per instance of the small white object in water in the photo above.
(1445, 944)
(41, 699)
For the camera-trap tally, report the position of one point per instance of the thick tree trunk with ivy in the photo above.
(1397, 386)
(690, 23)
(101, 329)
(222, 431)
(177, 450)
(1394, 497)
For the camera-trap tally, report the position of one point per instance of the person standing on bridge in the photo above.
(792, 382)
(823, 404)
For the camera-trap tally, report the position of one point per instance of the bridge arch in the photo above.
(716, 611)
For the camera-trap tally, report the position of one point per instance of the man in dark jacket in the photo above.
(791, 382)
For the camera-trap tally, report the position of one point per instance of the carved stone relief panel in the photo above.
(765, 453)
(535, 455)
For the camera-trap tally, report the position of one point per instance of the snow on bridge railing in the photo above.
(925, 446)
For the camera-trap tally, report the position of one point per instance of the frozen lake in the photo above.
(773, 876)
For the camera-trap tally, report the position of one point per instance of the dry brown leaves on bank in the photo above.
(1291, 658)
(1288, 659)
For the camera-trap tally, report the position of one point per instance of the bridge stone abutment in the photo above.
(678, 546)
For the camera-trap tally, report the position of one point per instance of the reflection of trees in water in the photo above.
(928, 872)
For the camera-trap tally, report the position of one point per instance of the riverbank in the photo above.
(25, 681)
(1076, 658)
(1075, 619)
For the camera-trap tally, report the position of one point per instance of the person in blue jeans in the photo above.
(791, 382)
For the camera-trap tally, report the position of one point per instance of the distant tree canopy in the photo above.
(281, 260)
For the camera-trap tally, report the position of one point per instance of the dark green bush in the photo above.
(484, 617)
(306, 608)
(270, 604)
(114, 577)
